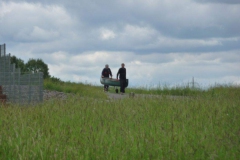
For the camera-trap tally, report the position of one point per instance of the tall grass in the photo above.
(177, 90)
(206, 126)
(77, 88)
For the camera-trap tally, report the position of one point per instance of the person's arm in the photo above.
(102, 73)
(126, 73)
(110, 72)
(118, 73)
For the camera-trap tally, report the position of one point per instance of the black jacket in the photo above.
(122, 72)
(106, 72)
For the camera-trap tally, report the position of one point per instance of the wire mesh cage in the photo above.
(21, 88)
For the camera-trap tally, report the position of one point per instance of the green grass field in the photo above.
(88, 125)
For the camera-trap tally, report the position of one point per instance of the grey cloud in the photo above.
(176, 19)
(152, 33)
(219, 1)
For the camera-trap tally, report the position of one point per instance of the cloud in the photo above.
(219, 1)
(151, 69)
(24, 22)
(165, 41)
(36, 34)
(107, 34)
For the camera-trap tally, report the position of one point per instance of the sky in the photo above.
(161, 42)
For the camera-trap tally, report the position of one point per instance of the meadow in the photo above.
(192, 124)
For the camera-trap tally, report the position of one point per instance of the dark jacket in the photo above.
(122, 73)
(106, 72)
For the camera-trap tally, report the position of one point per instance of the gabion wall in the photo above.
(19, 88)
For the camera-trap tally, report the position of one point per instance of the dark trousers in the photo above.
(122, 85)
(106, 87)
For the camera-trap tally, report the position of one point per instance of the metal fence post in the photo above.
(30, 89)
(14, 84)
(4, 49)
(40, 79)
(4, 68)
(19, 90)
(193, 83)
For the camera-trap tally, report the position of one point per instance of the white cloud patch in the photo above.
(58, 57)
(138, 32)
(37, 34)
(34, 22)
(107, 34)
(167, 42)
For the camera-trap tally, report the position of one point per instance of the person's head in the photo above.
(106, 66)
(123, 65)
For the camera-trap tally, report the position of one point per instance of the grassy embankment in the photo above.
(204, 125)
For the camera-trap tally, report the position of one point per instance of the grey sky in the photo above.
(167, 41)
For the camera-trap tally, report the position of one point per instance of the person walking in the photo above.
(122, 72)
(106, 72)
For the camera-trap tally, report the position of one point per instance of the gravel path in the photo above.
(47, 94)
(116, 95)
(130, 95)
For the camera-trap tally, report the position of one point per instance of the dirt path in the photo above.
(117, 95)
(127, 95)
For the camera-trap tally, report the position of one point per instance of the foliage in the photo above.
(202, 127)
(54, 79)
(33, 65)
(36, 66)
(19, 63)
